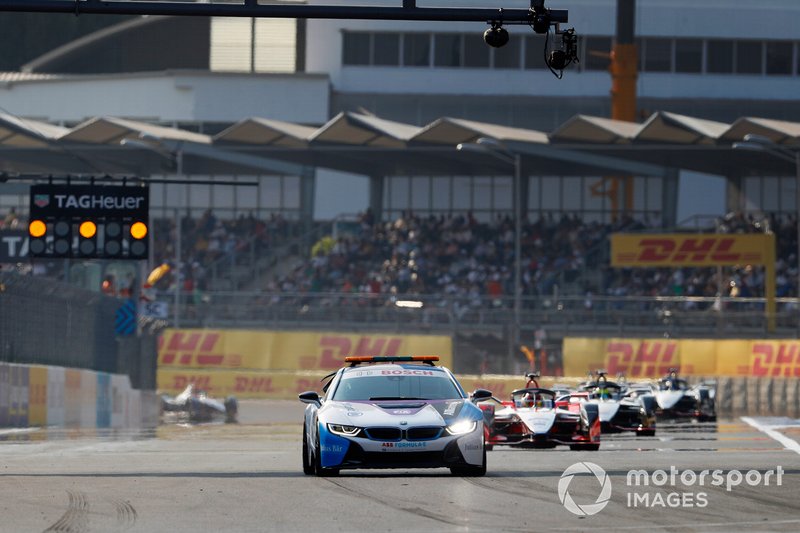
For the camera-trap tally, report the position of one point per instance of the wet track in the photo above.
(247, 477)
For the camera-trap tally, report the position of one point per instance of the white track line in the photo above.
(789, 444)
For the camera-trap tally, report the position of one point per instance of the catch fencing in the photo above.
(46, 322)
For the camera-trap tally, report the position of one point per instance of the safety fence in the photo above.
(50, 396)
(43, 321)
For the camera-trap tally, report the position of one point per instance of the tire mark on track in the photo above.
(417, 511)
(126, 514)
(76, 517)
(491, 486)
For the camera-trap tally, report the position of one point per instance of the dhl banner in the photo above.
(652, 358)
(272, 350)
(691, 249)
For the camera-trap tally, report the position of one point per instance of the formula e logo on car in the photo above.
(586, 509)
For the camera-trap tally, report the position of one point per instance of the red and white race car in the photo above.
(531, 419)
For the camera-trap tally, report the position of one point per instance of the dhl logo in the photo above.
(253, 384)
(335, 348)
(641, 359)
(687, 250)
(776, 359)
(194, 349)
(200, 382)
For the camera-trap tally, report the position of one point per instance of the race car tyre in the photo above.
(308, 462)
(470, 470)
(319, 471)
(585, 447)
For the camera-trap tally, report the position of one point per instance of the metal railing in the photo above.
(661, 316)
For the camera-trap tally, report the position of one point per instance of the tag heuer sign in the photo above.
(89, 201)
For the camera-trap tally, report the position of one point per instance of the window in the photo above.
(416, 49)
(688, 55)
(597, 51)
(779, 57)
(447, 50)
(355, 49)
(658, 55)
(476, 52)
(508, 57)
(386, 49)
(534, 52)
(720, 57)
(748, 57)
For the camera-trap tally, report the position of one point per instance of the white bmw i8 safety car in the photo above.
(393, 412)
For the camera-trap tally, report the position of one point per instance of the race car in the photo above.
(618, 411)
(676, 399)
(393, 412)
(195, 405)
(531, 419)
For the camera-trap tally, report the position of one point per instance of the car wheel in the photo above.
(318, 469)
(308, 461)
(646, 433)
(470, 470)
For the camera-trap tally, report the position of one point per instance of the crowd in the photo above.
(209, 241)
(456, 257)
(460, 259)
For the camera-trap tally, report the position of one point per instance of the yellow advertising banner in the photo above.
(270, 350)
(652, 358)
(691, 249)
(37, 396)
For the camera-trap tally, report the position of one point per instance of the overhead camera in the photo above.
(496, 36)
(558, 59)
(560, 47)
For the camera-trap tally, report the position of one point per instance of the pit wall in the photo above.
(33, 395)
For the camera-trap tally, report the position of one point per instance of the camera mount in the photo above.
(559, 54)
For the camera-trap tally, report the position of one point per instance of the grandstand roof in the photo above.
(370, 145)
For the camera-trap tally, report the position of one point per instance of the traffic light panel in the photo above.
(89, 239)
(89, 221)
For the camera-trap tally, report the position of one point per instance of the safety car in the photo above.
(393, 412)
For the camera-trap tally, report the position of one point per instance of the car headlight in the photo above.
(346, 431)
(462, 428)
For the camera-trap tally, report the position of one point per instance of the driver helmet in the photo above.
(528, 400)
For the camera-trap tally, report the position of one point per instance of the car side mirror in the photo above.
(481, 394)
(310, 397)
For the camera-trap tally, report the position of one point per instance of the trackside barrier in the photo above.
(35, 395)
(735, 396)
(287, 385)
(758, 396)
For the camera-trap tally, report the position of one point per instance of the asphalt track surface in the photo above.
(247, 477)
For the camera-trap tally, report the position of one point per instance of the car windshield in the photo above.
(400, 384)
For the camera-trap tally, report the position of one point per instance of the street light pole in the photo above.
(496, 149)
(760, 143)
(517, 255)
